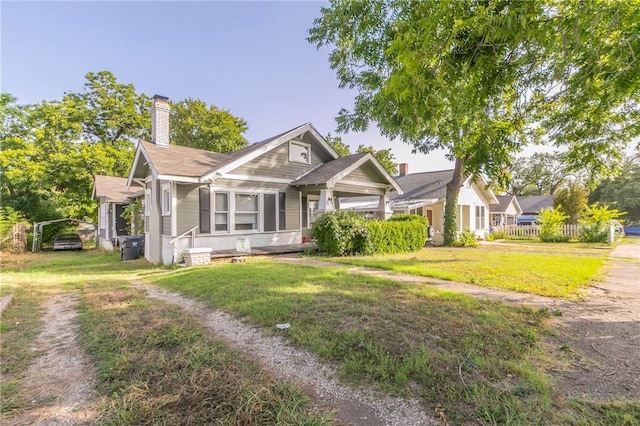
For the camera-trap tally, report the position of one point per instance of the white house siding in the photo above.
(469, 197)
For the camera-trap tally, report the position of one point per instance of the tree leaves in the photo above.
(483, 79)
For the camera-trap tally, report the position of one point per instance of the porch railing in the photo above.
(191, 231)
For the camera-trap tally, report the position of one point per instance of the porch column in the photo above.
(325, 204)
(384, 207)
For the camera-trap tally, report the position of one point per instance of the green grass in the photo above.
(160, 367)
(155, 364)
(483, 361)
(474, 357)
(541, 270)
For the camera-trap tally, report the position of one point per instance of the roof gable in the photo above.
(533, 204)
(245, 155)
(114, 189)
(504, 201)
(333, 171)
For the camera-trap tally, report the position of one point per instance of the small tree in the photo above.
(573, 200)
(551, 221)
(132, 215)
(9, 218)
(596, 223)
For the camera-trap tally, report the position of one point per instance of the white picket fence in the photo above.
(532, 232)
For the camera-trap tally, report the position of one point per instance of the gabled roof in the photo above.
(504, 201)
(426, 185)
(420, 189)
(243, 156)
(533, 204)
(198, 165)
(179, 160)
(114, 189)
(334, 170)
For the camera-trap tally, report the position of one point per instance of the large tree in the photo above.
(540, 174)
(623, 191)
(197, 125)
(51, 150)
(481, 79)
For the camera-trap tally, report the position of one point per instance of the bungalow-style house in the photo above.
(266, 194)
(114, 195)
(506, 212)
(424, 194)
(531, 206)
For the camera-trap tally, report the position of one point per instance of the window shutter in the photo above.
(205, 211)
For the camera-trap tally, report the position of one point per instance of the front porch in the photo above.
(264, 251)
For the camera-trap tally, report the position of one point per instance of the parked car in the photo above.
(67, 242)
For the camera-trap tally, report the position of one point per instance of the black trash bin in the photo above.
(132, 247)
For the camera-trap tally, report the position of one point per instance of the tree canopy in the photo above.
(482, 79)
(622, 191)
(542, 173)
(52, 149)
(197, 125)
(384, 156)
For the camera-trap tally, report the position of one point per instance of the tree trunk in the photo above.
(451, 204)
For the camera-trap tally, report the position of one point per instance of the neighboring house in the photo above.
(266, 194)
(506, 212)
(114, 195)
(424, 194)
(531, 206)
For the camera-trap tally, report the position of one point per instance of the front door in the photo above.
(312, 210)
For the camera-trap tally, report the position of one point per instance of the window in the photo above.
(222, 211)
(270, 212)
(304, 213)
(147, 202)
(299, 152)
(166, 199)
(282, 213)
(480, 217)
(103, 215)
(246, 212)
(205, 210)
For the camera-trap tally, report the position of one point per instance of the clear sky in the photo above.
(250, 58)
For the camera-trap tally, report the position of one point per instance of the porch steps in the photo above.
(264, 251)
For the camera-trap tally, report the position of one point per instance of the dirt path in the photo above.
(353, 407)
(600, 336)
(58, 385)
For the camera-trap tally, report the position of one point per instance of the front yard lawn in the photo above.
(484, 362)
(547, 270)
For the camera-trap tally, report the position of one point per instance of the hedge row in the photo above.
(345, 233)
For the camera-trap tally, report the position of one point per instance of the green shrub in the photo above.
(344, 233)
(498, 235)
(396, 236)
(466, 239)
(9, 217)
(341, 233)
(596, 223)
(551, 222)
(408, 218)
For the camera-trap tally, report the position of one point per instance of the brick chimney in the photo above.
(160, 120)
(404, 169)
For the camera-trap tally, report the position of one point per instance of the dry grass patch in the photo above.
(158, 366)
